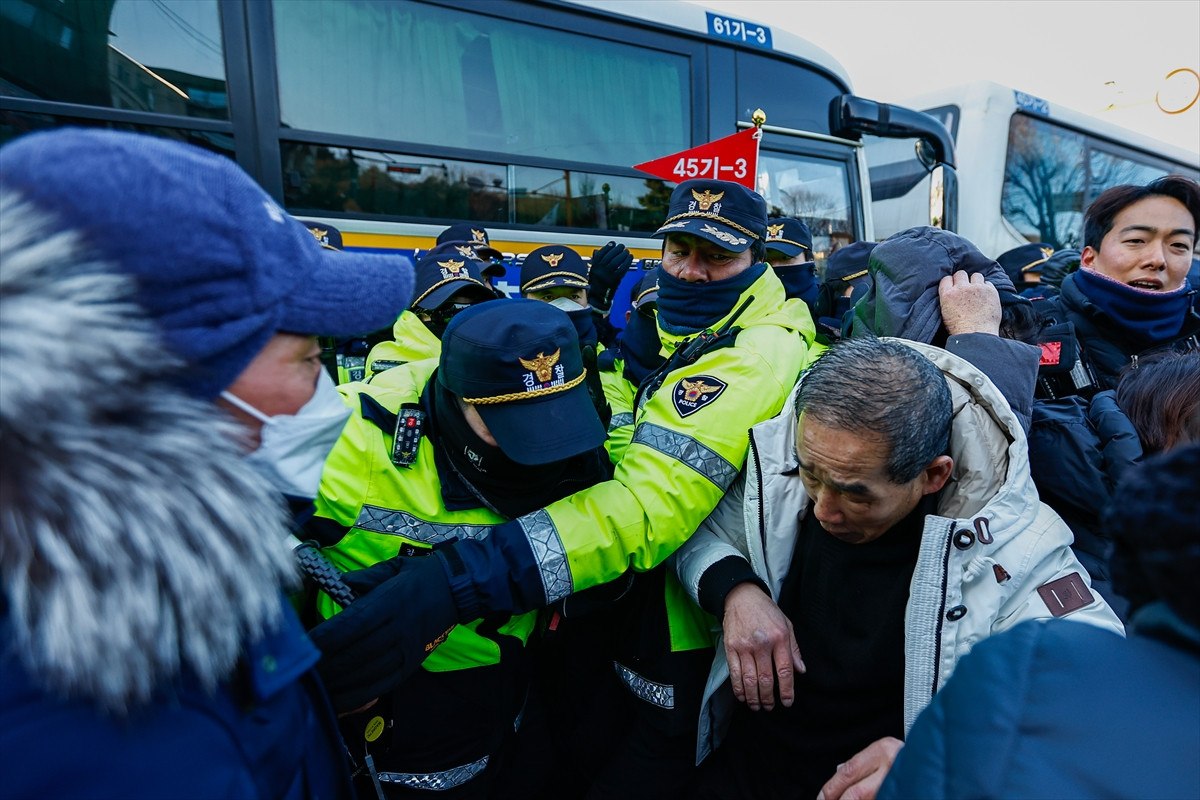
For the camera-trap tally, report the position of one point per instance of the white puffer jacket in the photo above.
(988, 516)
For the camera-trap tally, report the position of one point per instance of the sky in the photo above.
(1105, 58)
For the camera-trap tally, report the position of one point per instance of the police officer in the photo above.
(476, 237)
(734, 345)
(789, 252)
(449, 279)
(846, 280)
(1023, 263)
(499, 426)
(557, 275)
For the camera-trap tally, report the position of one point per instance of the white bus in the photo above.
(391, 119)
(1028, 168)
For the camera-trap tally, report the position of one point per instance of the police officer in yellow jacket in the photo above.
(734, 347)
(500, 426)
(448, 279)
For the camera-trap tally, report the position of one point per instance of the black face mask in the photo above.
(685, 308)
(509, 488)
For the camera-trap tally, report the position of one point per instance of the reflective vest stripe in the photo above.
(400, 523)
(551, 556)
(658, 694)
(436, 781)
(620, 420)
(687, 450)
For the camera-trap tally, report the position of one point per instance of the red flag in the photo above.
(733, 158)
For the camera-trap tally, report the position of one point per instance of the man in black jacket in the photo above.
(1130, 293)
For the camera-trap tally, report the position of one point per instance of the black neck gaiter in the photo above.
(509, 488)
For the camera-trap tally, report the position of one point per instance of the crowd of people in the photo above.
(908, 525)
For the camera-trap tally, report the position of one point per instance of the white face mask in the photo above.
(293, 449)
(567, 304)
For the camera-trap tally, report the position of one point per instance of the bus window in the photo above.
(1054, 173)
(814, 190)
(321, 178)
(1044, 181)
(19, 123)
(163, 57)
(571, 199)
(792, 98)
(1112, 169)
(456, 78)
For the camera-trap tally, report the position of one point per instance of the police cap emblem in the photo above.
(706, 198)
(552, 258)
(542, 365)
(452, 268)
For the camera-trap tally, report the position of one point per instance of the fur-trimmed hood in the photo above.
(135, 543)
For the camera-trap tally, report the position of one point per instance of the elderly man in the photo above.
(147, 650)
(886, 523)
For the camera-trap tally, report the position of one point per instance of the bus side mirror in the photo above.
(851, 116)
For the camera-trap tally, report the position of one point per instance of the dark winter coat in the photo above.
(1078, 451)
(1056, 710)
(146, 650)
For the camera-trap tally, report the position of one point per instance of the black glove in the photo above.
(404, 610)
(609, 265)
(362, 581)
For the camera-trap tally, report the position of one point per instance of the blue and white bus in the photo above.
(1028, 167)
(391, 119)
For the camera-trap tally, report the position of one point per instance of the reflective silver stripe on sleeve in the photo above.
(400, 523)
(680, 447)
(436, 781)
(551, 556)
(620, 420)
(658, 694)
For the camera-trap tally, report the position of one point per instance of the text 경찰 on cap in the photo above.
(727, 214)
(219, 266)
(518, 362)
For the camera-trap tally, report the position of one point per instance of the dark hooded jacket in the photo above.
(146, 650)
(902, 301)
(1056, 709)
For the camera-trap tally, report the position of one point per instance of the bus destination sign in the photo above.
(738, 30)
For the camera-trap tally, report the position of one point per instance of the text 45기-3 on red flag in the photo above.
(733, 158)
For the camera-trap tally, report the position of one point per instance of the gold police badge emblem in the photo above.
(452, 269)
(553, 258)
(543, 367)
(775, 231)
(706, 198)
(479, 237)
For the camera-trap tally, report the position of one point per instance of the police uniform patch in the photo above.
(693, 393)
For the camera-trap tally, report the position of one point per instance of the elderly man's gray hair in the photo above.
(868, 387)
